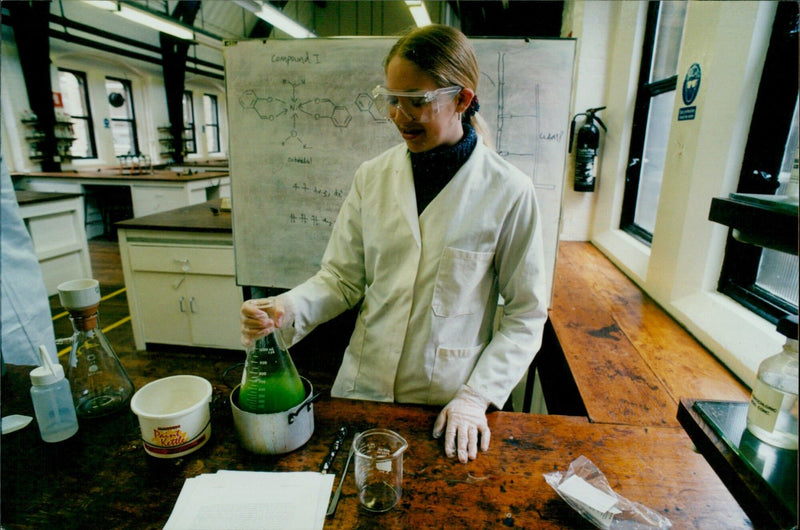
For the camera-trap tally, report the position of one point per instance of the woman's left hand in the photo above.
(262, 316)
(465, 419)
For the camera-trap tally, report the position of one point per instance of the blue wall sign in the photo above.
(691, 86)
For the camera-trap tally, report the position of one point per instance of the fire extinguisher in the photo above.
(588, 141)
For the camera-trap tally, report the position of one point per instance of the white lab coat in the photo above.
(25, 307)
(430, 282)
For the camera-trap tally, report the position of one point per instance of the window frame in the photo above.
(84, 88)
(769, 129)
(126, 83)
(213, 124)
(189, 136)
(644, 95)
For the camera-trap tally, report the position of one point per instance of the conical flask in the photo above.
(270, 382)
(100, 385)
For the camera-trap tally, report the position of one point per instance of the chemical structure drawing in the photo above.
(364, 103)
(503, 114)
(272, 108)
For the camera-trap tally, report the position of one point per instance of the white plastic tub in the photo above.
(174, 415)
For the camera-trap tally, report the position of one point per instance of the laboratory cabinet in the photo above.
(181, 285)
(55, 224)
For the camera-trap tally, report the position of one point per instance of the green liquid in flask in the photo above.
(270, 382)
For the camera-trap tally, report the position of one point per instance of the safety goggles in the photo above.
(418, 105)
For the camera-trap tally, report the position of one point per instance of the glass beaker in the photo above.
(379, 468)
(100, 385)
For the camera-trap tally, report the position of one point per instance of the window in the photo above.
(76, 103)
(778, 271)
(189, 144)
(652, 118)
(123, 120)
(211, 127)
(765, 280)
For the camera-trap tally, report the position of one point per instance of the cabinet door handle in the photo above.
(180, 303)
(184, 263)
(191, 305)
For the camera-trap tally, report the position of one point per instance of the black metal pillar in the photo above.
(30, 22)
(173, 54)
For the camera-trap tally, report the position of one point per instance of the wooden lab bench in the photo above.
(109, 481)
(102, 478)
(631, 363)
(613, 355)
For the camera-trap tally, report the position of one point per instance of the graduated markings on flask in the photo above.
(106, 329)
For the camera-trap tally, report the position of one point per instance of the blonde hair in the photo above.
(446, 54)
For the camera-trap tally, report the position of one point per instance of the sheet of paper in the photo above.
(580, 490)
(245, 500)
(596, 502)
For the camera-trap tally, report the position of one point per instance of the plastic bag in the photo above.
(586, 489)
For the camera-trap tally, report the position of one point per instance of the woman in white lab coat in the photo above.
(26, 320)
(431, 232)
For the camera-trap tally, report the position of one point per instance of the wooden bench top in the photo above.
(631, 361)
(158, 175)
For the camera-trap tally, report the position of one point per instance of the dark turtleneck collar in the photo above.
(433, 169)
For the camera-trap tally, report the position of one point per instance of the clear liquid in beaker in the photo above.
(378, 496)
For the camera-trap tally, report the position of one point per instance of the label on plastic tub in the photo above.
(171, 442)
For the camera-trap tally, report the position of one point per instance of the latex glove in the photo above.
(465, 418)
(262, 316)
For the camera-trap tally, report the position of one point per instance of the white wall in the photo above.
(680, 270)
(588, 23)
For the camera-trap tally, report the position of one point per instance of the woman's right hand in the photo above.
(260, 317)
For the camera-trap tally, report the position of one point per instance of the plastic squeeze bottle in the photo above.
(52, 400)
(270, 382)
(772, 414)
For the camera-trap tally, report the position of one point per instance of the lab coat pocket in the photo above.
(451, 369)
(463, 282)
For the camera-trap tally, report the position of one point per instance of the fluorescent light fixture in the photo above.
(267, 12)
(106, 5)
(419, 13)
(145, 18)
(155, 22)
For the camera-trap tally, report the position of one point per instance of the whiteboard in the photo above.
(301, 122)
